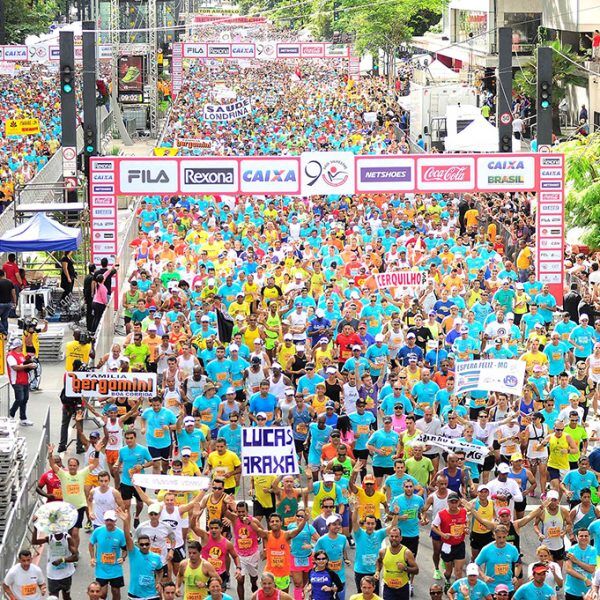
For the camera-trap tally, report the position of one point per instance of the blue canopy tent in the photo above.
(40, 233)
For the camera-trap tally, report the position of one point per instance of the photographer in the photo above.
(18, 366)
(79, 349)
(70, 406)
(31, 338)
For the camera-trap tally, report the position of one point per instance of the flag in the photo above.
(224, 326)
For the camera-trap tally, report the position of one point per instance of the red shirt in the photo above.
(51, 482)
(11, 270)
(16, 377)
(454, 524)
(345, 342)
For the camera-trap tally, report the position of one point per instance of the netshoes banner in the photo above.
(268, 451)
(227, 112)
(94, 384)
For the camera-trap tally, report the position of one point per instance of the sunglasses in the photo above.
(216, 487)
(143, 545)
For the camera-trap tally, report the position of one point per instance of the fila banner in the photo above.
(227, 112)
(505, 376)
(268, 451)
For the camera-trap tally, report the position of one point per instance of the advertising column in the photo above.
(550, 225)
(176, 69)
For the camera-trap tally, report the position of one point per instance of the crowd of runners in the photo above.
(260, 312)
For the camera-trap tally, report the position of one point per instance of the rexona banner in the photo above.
(268, 451)
(227, 112)
(94, 384)
(505, 376)
(392, 279)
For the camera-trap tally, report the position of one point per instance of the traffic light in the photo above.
(67, 79)
(506, 143)
(89, 141)
(544, 94)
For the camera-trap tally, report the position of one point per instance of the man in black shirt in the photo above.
(88, 296)
(8, 300)
(423, 334)
(571, 302)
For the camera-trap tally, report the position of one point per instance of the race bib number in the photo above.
(73, 489)
(554, 532)
(362, 429)
(301, 429)
(108, 558)
(172, 401)
(393, 582)
(480, 402)
(244, 544)
(194, 595)
(457, 530)
(511, 449)
(29, 589)
(159, 433)
(501, 569)
(335, 565)
(57, 493)
(278, 559)
(373, 323)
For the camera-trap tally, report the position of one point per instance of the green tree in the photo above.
(582, 175)
(28, 17)
(565, 72)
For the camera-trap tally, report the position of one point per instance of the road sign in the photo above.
(21, 126)
(544, 148)
(69, 154)
(70, 183)
(505, 118)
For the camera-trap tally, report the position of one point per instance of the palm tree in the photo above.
(565, 72)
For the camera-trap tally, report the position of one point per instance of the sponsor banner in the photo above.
(551, 231)
(288, 51)
(177, 68)
(103, 189)
(268, 451)
(312, 50)
(149, 176)
(325, 173)
(106, 177)
(445, 173)
(473, 452)
(131, 74)
(218, 50)
(546, 173)
(104, 247)
(551, 185)
(266, 50)
(392, 279)
(21, 126)
(15, 53)
(556, 160)
(551, 220)
(103, 201)
(103, 213)
(502, 172)
(103, 224)
(549, 255)
(550, 278)
(194, 51)
(337, 51)
(173, 483)
(377, 174)
(550, 243)
(243, 50)
(96, 384)
(208, 176)
(505, 376)
(270, 175)
(227, 112)
(546, 209)
(104, 52)
(550, 267)
(106, 235)
(102, 164)
(38, 54)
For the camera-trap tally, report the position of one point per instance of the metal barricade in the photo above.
(4, 399)
(17, 527)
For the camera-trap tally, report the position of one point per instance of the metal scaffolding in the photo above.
(153, 67)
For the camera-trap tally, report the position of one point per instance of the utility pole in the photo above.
(504, 90)
(90, 114)
(544, 96)
(68, 114)
(2, 22)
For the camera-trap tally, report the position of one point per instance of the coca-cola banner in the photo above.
(442, 173)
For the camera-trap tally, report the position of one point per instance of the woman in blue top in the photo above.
(323, 583)
(215, 590)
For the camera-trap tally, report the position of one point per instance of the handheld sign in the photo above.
(268, 451)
